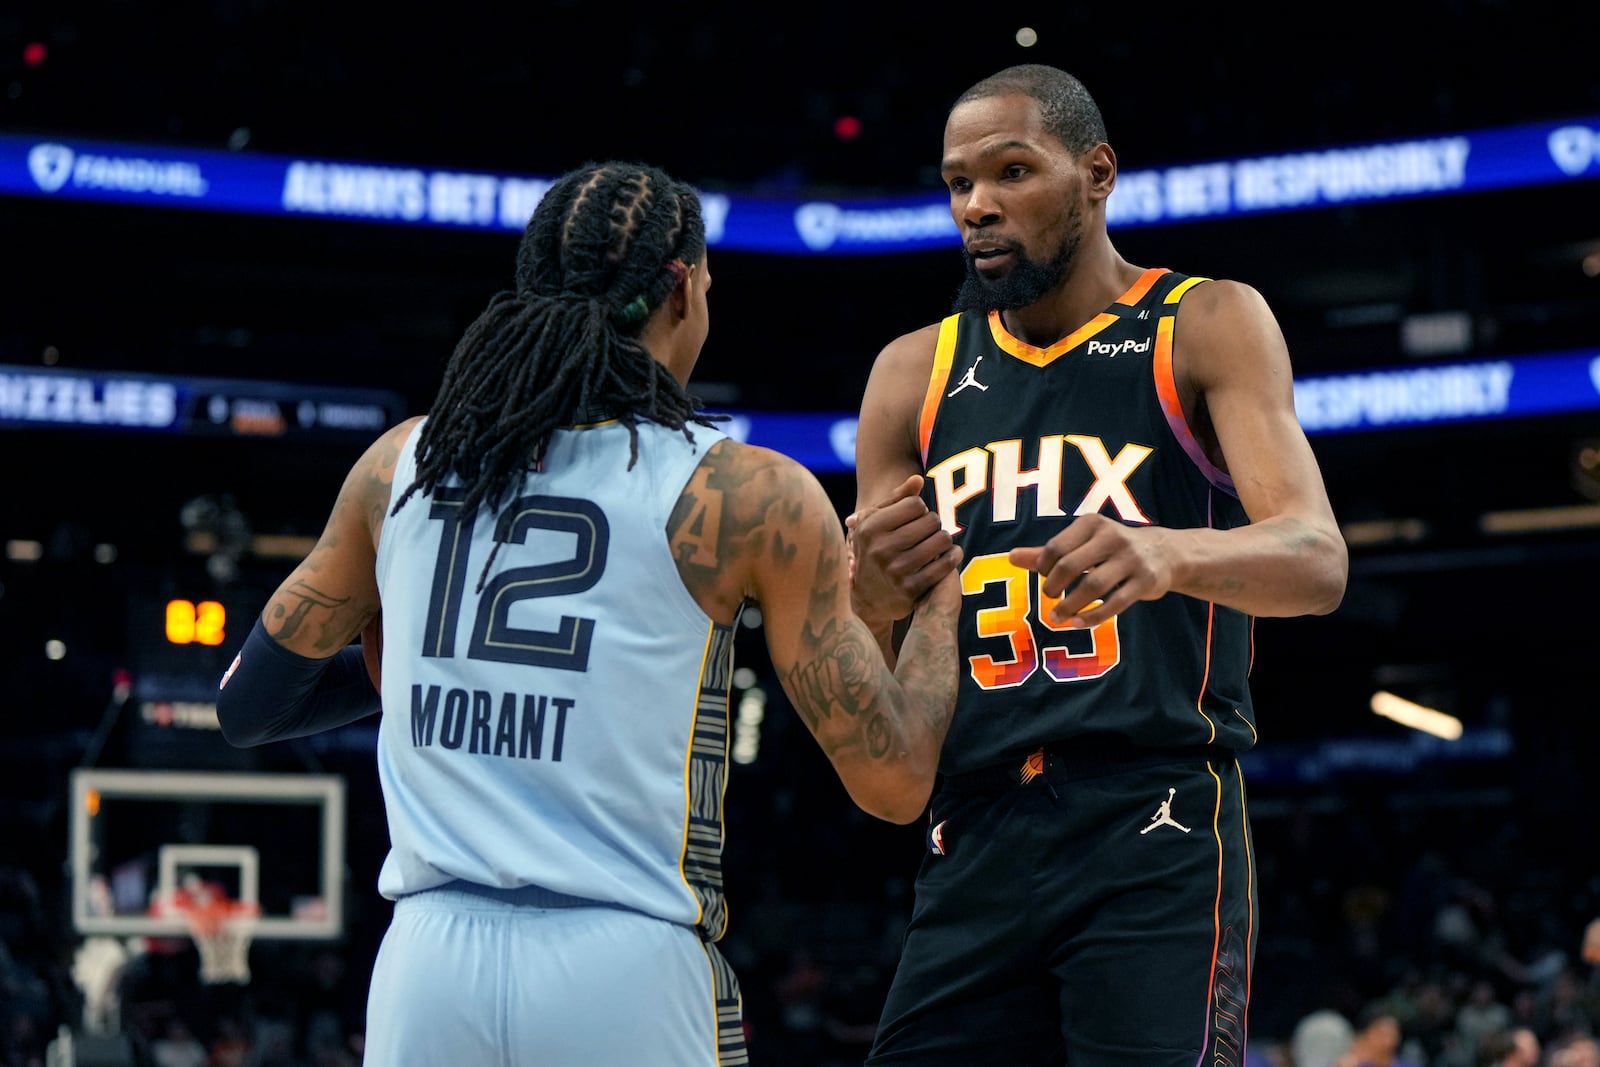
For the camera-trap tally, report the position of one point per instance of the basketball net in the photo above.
(222, 930)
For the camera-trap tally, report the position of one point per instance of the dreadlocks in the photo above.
(600, 254)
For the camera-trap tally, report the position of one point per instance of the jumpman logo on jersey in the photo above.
(969, 378)
(1163, 815)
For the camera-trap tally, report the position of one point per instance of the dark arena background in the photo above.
(242, 236)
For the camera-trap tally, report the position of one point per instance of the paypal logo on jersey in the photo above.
(1116, 348)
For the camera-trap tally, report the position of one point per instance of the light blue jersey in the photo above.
(566, 725)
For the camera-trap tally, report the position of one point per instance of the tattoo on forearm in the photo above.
(836, 689)
(927, 668)
(308, 596)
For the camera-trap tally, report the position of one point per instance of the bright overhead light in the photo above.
(19, 550)
(1532, 520)
(1416, 716)
(1384, 531)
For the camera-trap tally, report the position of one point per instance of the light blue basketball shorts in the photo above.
(529, 978)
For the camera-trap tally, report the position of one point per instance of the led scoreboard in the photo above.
(181, 641)
(181, 638)
(192, 623)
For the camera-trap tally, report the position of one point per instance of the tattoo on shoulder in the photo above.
(379, 473)
(712, 526)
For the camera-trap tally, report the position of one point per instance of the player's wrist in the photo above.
(878, 620)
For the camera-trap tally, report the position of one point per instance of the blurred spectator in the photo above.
(1426, 1012)
(1320, 1039)
(231, 1046)
(1377, 1041)
(335, 1012)
(178, 1047)
(35, 988)
(1517, 1047)
(1575, 1051)
(1566, 1005)
(850, 1009)
(1482, 1014)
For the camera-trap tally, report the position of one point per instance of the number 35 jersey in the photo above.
(565, 724)
(1017, 441)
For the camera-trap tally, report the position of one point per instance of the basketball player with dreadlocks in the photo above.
(557, 555)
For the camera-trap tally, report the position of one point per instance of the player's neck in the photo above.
(1097, 276)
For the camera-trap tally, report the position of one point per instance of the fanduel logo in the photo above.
(50, 165)
(1116, 348)
(1574, 148)
(821, 225)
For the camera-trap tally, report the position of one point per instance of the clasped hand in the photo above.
(1097, 567)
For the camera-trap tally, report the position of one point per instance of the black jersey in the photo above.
(1018, 440)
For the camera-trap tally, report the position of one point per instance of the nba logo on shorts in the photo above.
(936, 840)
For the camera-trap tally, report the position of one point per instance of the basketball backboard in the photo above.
(275, 842)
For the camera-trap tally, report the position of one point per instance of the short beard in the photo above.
(1026, 283)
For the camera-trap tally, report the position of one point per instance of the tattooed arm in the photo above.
(297, 673)
(333, 593)
(755, 525)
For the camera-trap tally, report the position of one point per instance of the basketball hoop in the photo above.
(222, 930)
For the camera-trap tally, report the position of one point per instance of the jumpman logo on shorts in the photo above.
(969, 378)
(1163, 815)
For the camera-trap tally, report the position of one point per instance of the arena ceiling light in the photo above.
(1417, 717)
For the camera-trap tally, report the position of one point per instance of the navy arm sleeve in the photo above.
(271, 693)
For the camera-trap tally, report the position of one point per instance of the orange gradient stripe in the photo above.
(1216, 904)
(1137, 290)
(943, 353)
(1040, 357)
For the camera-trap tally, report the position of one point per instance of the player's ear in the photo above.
(1102, 161)
(683, 275)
